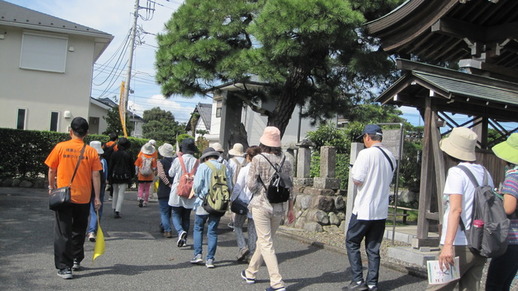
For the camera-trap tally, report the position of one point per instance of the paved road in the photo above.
(138, 258)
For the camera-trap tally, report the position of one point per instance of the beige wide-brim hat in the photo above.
(237, 150)
(460, 144)
(97, 146)
(166, 150)
(508, 150)
(217, 147)
(148, 149)
(271, 137)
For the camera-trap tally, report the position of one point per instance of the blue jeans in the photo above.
(92, 223)
(372, 231)
(165, 214)
(181, 219)
(212, 234)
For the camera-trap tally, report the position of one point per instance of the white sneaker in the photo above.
(91, 236)
(210, 263)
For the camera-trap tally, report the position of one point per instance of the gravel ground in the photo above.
(336, 242)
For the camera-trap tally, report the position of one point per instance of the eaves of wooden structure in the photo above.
(482, 36)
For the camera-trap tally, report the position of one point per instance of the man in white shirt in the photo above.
(372, 174)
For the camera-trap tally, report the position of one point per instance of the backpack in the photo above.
(487, 235)
(108, 151)
(145, 167)
(238, 168)
(217, 200)
(186, 180)
(278, 189)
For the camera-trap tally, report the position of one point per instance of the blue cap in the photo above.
(371, 129)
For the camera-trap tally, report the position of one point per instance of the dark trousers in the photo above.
(69, 234)
(372, 231)
(502, 270)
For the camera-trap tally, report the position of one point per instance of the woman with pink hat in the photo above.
(267, 215)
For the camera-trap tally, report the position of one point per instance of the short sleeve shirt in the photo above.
(510, 187)
(64, 158)
(372, 168)
(458, 183)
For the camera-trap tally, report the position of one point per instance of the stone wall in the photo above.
(319, 204)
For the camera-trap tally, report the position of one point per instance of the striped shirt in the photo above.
(510, 187)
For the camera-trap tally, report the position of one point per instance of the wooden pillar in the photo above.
(425, 188)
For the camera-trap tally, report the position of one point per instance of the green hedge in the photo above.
(25, 151)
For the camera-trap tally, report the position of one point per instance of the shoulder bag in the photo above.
(60, 197)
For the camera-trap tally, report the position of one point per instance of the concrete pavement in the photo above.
(138, 257)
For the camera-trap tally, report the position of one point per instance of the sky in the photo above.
(116, 18)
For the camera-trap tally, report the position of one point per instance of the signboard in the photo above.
(392, 141)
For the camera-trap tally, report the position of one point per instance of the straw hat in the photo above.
(271, 137)
(237, 150)
(209, 152)
(147, 149)
(460, 144)
(166, 150)
(508, 150)
(217, 147)
(97, 146)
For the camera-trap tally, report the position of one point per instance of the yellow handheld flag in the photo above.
(99, 241)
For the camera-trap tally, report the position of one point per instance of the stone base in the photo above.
(303, 181)
(411, 255)
(326, 183)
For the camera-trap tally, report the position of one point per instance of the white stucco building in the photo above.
(46, 68)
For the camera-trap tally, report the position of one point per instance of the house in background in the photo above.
(99, 110)
(231, 121)
(199, 123)
(46, 68)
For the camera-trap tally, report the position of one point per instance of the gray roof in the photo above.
(205, 111)
(454, 91)
(112, 104)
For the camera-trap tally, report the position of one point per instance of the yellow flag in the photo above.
(99, 241)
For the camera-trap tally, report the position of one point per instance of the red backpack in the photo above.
(186, 180)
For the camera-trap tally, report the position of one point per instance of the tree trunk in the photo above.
(287, 102)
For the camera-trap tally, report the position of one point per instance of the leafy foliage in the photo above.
(304, 52)
(114, 122)
(341, 139)
(161, 125)
(28, 150)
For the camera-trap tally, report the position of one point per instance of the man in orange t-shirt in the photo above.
(72, 220)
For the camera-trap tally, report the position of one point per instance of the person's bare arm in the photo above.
(52, 179)
(96, 179)
(448, 251)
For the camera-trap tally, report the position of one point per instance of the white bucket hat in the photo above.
(97, 146)
(460, 144)
(148, 149)
(166, 150)
(217, 147)
(237, 150)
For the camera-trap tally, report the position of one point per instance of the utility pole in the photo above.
(126, 84)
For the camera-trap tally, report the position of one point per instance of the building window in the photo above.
(54, 118)
(43, 52)
(22, 119)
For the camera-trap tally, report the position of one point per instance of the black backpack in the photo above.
(487, 235)
(278, 189)
(108, 151)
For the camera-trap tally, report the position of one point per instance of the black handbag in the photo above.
(60, 197)
(239, 207)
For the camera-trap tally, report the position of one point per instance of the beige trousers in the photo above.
(470, 266)
(266, 224)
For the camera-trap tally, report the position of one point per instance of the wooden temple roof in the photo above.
(452, 30)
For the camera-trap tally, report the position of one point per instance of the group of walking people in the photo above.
(113, 164)
(246, 179)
